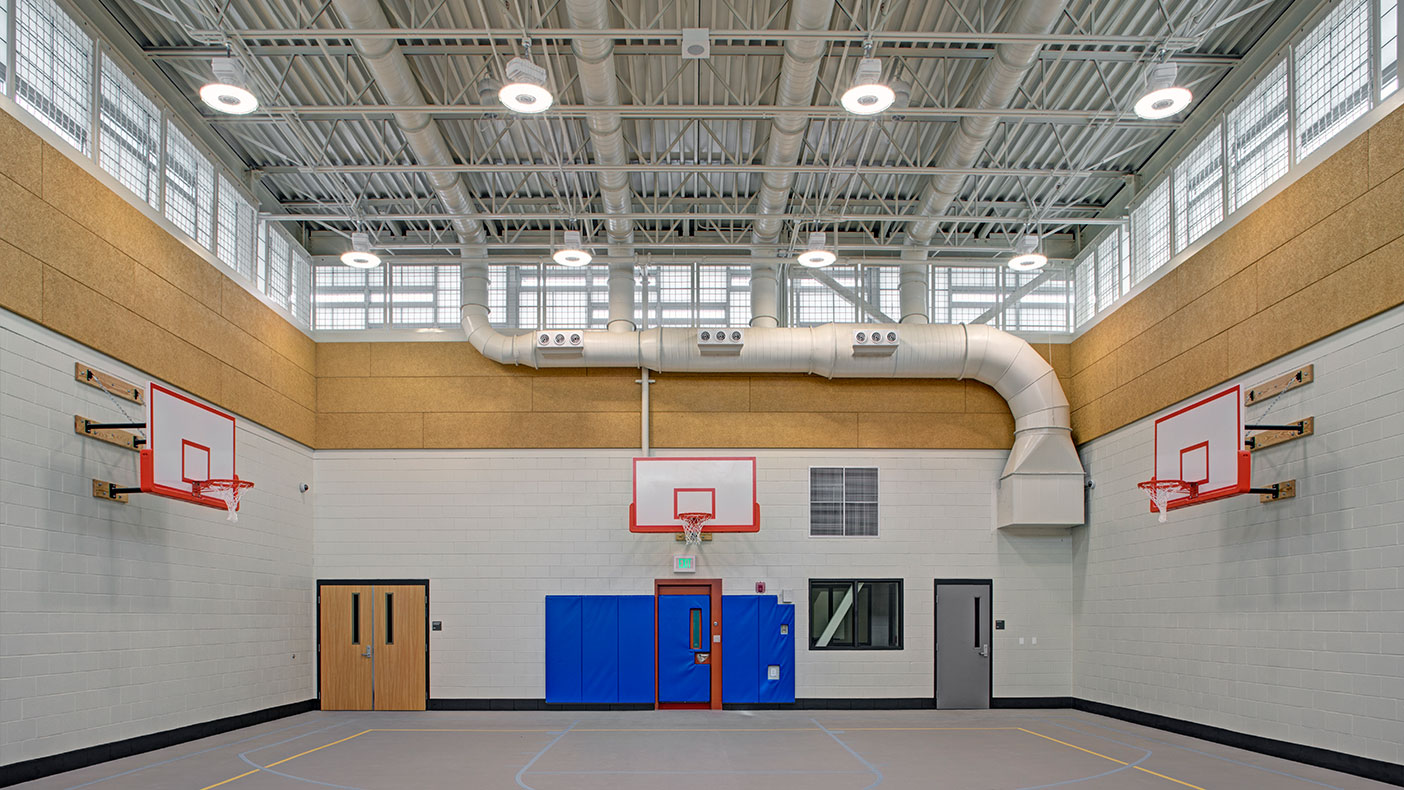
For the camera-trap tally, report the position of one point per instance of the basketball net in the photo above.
(229, 491)
(692, 526)
(1160, 492)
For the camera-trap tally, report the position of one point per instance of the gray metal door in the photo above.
(963, 646)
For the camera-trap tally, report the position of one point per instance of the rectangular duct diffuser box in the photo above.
(876, 342)
(561, 341)
(720, 341)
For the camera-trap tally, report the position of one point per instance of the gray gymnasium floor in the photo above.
(818, 750)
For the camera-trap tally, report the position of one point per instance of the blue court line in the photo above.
(1188, 749)
(856, 755)
(203, 751)
(544, 749)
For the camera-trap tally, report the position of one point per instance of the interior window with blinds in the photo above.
(843, 501)
(855, 614)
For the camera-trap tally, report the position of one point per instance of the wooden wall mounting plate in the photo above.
(1272, 387)
(124, 439)
(106, 381)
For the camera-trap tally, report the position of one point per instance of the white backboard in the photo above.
(187, 441)
(1202, 444)
(666, 487)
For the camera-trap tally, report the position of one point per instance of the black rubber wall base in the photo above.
(40, 767)
(1377, 770)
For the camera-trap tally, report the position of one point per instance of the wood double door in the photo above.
(373, 645)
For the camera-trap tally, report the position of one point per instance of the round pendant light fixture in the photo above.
(1027, 256)
(226, 93)
(1163, 98)
(360, 256)
(525, 91)
(572, 252)
(816, 254)
(867, 96)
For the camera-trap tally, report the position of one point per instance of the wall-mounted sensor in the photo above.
(304, 488)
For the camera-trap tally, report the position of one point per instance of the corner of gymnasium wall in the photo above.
(81, 260)
(1321, 256)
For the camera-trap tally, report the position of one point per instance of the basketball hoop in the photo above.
(228, 490)
(1160, 491)
(692, 526)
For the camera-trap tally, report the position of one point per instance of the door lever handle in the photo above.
(367, 654)
(984, 651)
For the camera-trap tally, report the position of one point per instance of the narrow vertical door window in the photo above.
(389, 618)
(355, 618)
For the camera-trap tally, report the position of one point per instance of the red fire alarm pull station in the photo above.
(760, 587)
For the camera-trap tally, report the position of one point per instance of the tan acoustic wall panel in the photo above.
(78, 258)
(445, 395)
(1324, 254)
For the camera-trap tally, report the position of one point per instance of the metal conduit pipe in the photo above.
(1042, 483)
(599, 86)
(995, 87)
(799, 74)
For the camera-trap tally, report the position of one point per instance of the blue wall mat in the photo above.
(680, 677)
(563, 646)
(599, 655)
(777, 648)
(636, 650)
(740, 653)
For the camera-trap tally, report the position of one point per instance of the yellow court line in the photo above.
(1171, 778)
(280, 762)
(1079, 748)
(319, 748)
(719, 729)
(920, 729)
(230, 779)
(1113, 759)
(409, 729)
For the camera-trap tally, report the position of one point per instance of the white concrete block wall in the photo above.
(497, 531)
(122, 620)
(1284, 620)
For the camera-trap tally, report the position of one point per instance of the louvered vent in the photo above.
(843, 501)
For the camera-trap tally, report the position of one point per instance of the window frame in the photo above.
(898, 630)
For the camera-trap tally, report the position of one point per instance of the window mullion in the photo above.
(95, 99)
